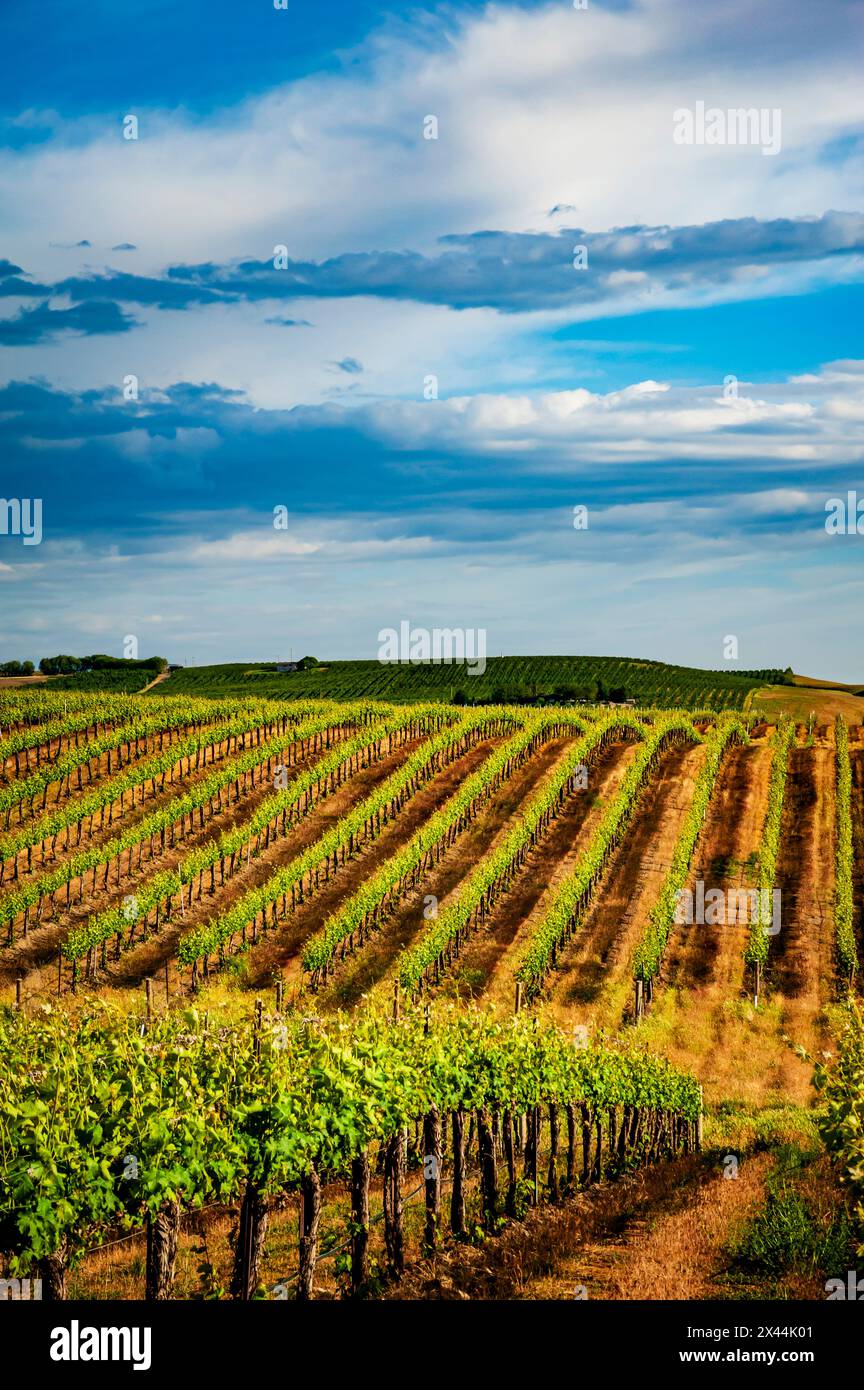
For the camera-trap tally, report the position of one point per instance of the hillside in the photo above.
(506, 679)
(179, 861)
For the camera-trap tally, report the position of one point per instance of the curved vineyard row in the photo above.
(572, 899)
(649, 953)
(761, 926)
(272, 818)
(118, 740)
(21, 901)
(82, 727)
(303, 874)
(222, 741)
(346, 930)
(418, 966)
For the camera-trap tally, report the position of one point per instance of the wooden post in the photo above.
(432, 1175)
(395, 1001)
(510, 1160)
(167, 990)
(488, 1169)
(148, 989)
(310, 1218)
(18, 978)
(699, 1121)
(553, 1153)
(248, 1253)
(360, 1224)
(571, 1146)
(457, 1196)
(639, 1002)
(586, 1145)
(280, 989)
(394, 1230)
(518, 997)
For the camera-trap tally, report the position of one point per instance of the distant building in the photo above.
(284, 668)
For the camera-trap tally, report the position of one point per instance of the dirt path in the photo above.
(705, 955)
(802, 970)
(157, 680)
(671, 1240)
(702, 1016)
(593, 985)
(662, 1233)
(856, 758)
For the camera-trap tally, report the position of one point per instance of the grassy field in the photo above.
(806, 697)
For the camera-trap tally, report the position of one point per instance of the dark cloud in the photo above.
(137, 289)
(11, 283)
(124, 246)
(36, 325)
(289, 323)
(349, 365)
(514, 272)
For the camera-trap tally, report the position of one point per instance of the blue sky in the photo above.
(425, 377)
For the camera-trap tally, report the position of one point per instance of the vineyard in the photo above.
(505, 679)
(365, 982)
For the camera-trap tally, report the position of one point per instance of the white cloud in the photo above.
(800, 420)
(535, 108)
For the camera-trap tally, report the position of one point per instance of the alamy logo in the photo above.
(447, 646)
(851, 1288)
(845, 516)
(22, 516)
(20, 1289)
(721, 908)
(737, 126)
(76, 1343)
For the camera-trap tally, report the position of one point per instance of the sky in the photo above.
(320, 318)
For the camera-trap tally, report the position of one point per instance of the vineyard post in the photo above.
(488, 1168)
(510, 1159)
(18, 978)
(518, 1008)
(457, 1196)
(148, 990)
(167, 990)
(395, 1001)
(432, 1174)
(394, 1230)
(360, 1223)
(310, 1217)
(699, 1120)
